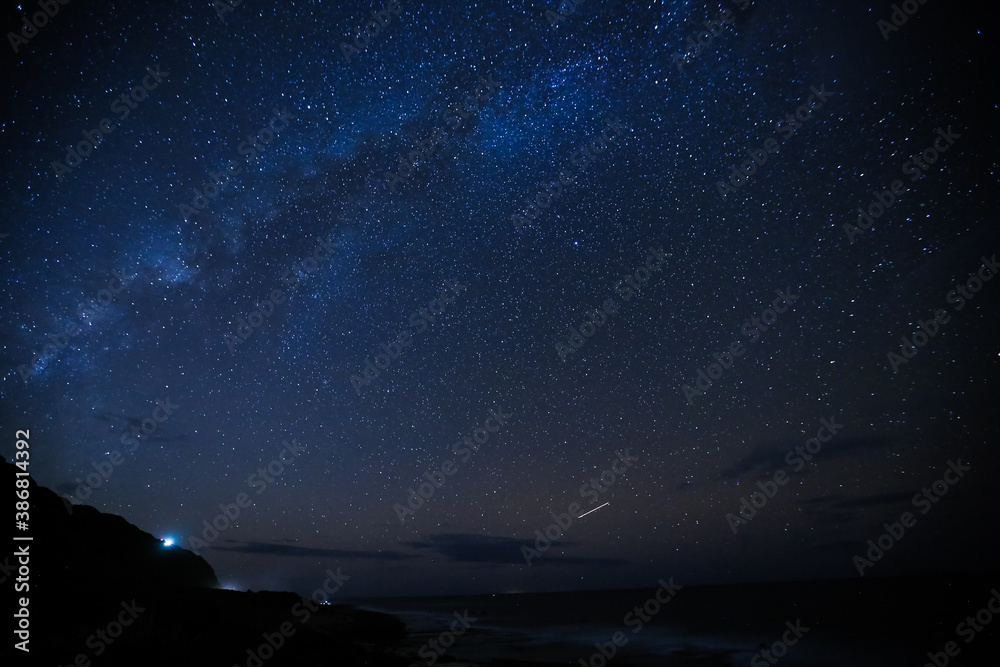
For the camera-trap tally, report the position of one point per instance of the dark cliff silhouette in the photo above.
(103, 592)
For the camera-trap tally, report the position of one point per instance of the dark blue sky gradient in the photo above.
(494, 346)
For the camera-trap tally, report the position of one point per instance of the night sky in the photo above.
(513, 240)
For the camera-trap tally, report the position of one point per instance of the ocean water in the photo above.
(708, 626)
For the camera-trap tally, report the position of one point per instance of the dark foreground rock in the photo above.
(103, 592)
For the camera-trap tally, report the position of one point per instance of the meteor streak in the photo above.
(593, 510)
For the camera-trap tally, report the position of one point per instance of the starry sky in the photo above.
(511, 238)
